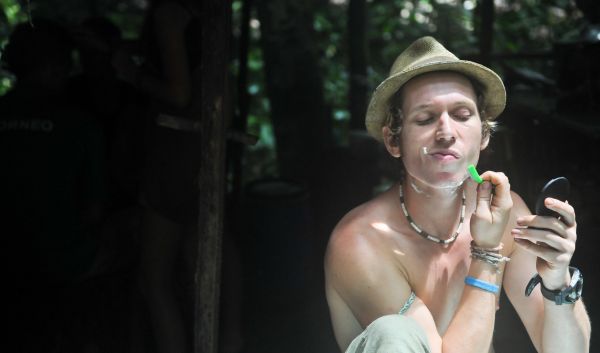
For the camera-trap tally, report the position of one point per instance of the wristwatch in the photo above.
(568, 295)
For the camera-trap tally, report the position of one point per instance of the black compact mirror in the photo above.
(557, 188)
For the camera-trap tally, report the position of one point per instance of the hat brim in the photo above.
(494, 92)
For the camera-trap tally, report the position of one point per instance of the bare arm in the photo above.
(174, 87)
(472, 327)
(552, 328)
(173, 83)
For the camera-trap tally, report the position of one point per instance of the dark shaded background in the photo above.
(281, 209)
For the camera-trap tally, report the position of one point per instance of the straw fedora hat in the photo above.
(428, 55)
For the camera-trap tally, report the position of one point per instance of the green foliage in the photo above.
(329, 27)
(260, 159)
(127, 14)
(533, 26)
(393, 26)
(12, 14)
(526, 26)
(520, 26)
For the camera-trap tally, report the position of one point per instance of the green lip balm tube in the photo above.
(474, 175)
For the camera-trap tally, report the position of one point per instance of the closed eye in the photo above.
(425, 119)
(462, 114)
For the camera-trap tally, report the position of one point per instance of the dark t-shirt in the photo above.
(51, 157)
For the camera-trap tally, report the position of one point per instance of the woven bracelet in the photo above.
(491, 256)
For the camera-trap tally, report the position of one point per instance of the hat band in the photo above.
(433, 60)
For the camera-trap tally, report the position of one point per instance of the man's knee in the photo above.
(395, 333)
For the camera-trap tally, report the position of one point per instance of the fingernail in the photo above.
(520, 220)
(549, 202)
(516, 231)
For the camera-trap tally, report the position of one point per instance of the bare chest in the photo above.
(437, 277)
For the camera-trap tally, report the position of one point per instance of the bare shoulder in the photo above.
(353, 242)
(359, 251)
(519, 206)
(365, 277)
(362, 281)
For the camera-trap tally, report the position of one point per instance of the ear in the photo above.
(392, 142)
(485, 141)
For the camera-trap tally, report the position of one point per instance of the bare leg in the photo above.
(160, 245)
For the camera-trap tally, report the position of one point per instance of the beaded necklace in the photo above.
(426, 235)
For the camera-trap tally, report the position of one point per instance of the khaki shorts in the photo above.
(391, 334)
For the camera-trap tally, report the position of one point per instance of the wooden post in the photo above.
(213, 95)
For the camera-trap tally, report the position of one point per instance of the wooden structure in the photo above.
(214, 96)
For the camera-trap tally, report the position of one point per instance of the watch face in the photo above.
(579, 286)
(576, 289)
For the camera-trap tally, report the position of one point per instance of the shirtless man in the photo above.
(436, 246)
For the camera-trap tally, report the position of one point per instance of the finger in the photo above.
(484, 198)
(566, 211)
(544, 236)
(502, 198)
(544, 252)
(544, 222)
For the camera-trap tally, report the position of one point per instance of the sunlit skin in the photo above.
(374, 259)
(440, 116)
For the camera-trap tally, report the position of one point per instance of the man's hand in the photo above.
(491, 215)
(552, 240)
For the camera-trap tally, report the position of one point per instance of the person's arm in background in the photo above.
(552, 328)
(174, 86)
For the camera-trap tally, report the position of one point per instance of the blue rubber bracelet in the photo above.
(486, 286)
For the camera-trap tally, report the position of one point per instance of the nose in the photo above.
(444, 132)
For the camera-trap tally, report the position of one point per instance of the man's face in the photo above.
(441, 129)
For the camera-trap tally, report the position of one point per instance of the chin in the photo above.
(449, 183)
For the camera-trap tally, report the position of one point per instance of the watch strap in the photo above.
(568, 295)
(532, 283)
